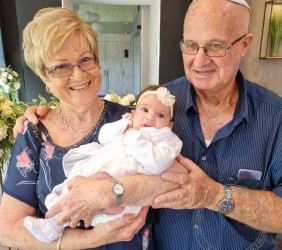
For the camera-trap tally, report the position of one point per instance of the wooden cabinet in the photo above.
(116, 62)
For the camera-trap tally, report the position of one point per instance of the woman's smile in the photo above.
(81, 87)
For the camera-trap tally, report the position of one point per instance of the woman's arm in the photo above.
(84, 198)
(14, 234)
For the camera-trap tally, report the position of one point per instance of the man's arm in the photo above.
(84, 201)
(32, 114)
(259, 209)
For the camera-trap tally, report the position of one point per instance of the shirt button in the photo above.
(204, 158)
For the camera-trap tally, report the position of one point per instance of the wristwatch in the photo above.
(118, 191)
(226, 205)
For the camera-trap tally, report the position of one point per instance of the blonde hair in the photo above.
(47, 33)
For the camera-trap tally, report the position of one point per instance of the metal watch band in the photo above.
(228, 192)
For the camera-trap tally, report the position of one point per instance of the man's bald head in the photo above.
(225, 14)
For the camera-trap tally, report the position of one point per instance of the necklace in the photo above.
(82, 130)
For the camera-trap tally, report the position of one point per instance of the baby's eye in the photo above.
(144, 110)
(161, 115)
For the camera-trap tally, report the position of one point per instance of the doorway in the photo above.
(146, 36)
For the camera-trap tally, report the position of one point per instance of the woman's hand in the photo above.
(83, 201)
(32, 114)
(122, 229)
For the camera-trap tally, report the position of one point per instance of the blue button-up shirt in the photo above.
(252, 140)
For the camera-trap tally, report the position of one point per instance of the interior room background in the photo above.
(147, 44)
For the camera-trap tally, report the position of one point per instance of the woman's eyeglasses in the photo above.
(66, 69)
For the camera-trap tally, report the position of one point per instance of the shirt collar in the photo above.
(242, 104)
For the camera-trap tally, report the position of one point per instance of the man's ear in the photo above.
(246, 43)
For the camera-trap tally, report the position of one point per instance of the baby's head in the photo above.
(155, 107)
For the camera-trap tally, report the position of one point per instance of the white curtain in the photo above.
(2, 61)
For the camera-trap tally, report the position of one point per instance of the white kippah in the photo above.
(241, 2)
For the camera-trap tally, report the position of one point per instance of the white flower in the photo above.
(15, 74)
(17, 85)
(113, 97)
(3, 131)
(165, 97)
(107, 97)
(127, 100)
(6, 88)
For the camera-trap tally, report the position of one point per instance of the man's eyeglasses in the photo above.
(211, 50)
(66, 69)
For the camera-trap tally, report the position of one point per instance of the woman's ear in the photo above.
(48, 90)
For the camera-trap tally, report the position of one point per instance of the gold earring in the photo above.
(48, 90)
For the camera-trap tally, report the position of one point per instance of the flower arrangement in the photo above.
(10, 83)
(126, 100)
(9, 112)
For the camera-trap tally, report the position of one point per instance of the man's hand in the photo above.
(197, 190)
(32, 114)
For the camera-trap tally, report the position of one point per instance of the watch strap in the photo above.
(228, 192)
(119, 195)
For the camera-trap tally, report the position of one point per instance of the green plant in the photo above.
(275, 33)
(9, 112)
(53, 101)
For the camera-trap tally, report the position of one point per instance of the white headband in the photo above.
(163, 96)
(241, 2)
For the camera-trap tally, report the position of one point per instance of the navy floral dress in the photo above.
(36, 167)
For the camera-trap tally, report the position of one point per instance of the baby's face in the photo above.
(150, 112)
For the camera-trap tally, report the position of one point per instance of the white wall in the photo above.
(266, 72)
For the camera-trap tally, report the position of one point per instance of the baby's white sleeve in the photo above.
(109, 130)
(153, 148)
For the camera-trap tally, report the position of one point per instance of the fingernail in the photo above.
(130, 217)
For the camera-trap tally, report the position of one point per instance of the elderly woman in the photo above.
(62, 50)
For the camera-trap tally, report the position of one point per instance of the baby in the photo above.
(140, 142)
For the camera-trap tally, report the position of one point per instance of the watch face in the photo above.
(118, 189)
(226, 206)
